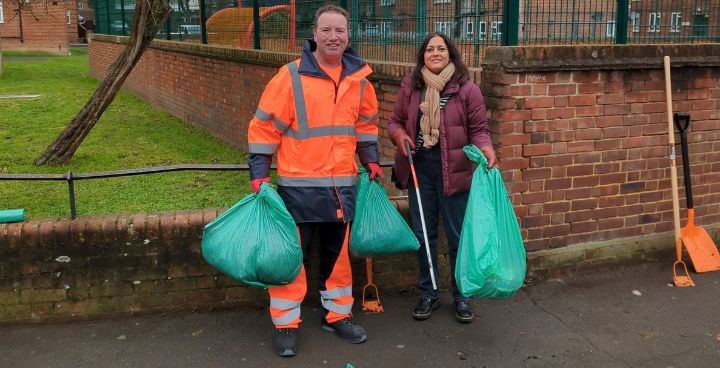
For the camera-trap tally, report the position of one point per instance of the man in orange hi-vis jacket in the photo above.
(315, 114)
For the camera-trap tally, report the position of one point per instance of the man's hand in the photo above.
(255, 184)
(490, 155)
(399, 139)
(375, 172)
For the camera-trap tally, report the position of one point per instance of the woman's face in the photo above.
(437, 56)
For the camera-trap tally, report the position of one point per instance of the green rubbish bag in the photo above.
(255, 241)
(491, 257)
(8, 216)
(378, 228)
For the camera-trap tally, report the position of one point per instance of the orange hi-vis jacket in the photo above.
(315, 127)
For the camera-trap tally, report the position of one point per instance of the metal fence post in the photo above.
(203, 29)
(510, 22)
(122, 16)
(71, 193)
(621, 22)
(256, 24)
(355, 24)
(343, 4)
(421, 11)
(168, 28)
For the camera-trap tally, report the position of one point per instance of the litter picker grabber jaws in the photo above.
(422, 216)
(678, 280)
(370, 305)
(700, 246)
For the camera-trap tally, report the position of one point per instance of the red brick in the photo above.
(539, 102)
(584, 146)
(537, 149)
(582, 100)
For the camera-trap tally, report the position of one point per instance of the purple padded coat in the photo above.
(463, 120)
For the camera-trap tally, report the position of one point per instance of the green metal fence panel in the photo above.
(393, 29)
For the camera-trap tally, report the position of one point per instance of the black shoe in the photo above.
(346, 329)
(463, 312)
(286, 341)
(424, 308)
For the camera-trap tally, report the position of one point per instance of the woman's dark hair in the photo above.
(462, 73)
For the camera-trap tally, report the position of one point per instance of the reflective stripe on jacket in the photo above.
(315, 127)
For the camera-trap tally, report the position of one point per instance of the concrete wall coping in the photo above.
(598, 57)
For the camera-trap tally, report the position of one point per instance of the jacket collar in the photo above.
(351, 62)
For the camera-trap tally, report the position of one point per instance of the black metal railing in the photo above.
(71, 177)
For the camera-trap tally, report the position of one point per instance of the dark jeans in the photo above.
(428, 168)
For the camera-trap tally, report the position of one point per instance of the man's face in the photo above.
(331, 35)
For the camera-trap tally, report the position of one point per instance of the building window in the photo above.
(496, 29)
(635, 21)
(654, 23)
(469, 28)
(69, 16)
(442, 1)
(81, 5)
(2, 20)
(482, 30)
(610, 30)
(387, 2)
(443, 27)
(675, 22)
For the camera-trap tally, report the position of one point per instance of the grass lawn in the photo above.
(130, 134)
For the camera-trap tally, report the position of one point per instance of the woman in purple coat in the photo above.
(438, 111)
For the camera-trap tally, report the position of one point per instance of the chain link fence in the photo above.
(393, 29)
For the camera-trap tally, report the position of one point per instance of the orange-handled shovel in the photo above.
(700, 246)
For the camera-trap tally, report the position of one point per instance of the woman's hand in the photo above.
(489, 154)
(399, 139)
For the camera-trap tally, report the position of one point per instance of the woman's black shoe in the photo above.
(424, 308)
(463, 312)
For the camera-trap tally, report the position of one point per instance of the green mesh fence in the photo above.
(393, 29)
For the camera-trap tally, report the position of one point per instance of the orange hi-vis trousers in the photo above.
(335, 277)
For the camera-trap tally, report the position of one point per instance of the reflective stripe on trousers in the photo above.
(335, 277)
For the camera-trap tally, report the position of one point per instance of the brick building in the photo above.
(38, 25)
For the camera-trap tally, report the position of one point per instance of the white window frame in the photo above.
(443, 27)
(675, 21)
(68, 15)
(81, 5)
(610, 28)
(635, 21)
(482, 29)
(469, 28)
(2, 17)
(386, 27)
(442, 1)
(654, 22)
(387, 2)
(496, 29)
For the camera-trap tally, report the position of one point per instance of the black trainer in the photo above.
(424, 308)
(286, 340)
(346, 329)
(463, 312)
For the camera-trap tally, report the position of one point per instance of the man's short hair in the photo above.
(331, 9)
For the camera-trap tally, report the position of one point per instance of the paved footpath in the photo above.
(628, 316)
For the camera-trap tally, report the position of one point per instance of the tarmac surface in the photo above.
(625, 316)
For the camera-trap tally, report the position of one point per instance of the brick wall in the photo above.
(583, 136)
(48, 33)
(57, 269)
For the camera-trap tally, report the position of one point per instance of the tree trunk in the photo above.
(149, 15)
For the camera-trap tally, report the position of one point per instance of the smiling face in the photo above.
(437, 56)
(331, 37)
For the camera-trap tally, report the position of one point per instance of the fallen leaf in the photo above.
(636, 292)
(121, 337)
(198, 332)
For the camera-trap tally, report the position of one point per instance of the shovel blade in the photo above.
(702, 250)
